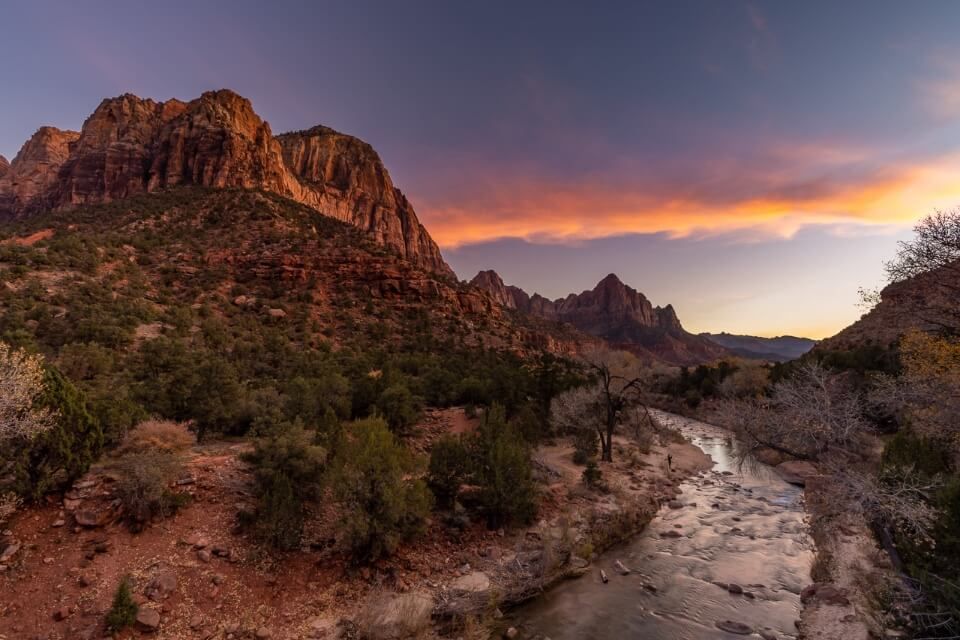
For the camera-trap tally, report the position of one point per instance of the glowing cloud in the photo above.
(761, 206)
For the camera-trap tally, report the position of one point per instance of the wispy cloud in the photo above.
(939, 92)
(751, 204)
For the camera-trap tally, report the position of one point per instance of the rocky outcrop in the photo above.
(131, 145)
(31, 180)
(507, 296)
(615, 312)
(4, 166)
(344, 177)
(927, 302)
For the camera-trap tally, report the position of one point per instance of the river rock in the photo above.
(825, 593)
(796, 471)
(675, 504)
(737, 628)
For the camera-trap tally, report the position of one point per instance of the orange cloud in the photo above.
(758, 205)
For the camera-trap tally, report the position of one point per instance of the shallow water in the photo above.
(745, 526)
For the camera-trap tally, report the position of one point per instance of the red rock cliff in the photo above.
(130, 145)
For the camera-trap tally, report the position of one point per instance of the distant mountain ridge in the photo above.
(778, 349)
(619, 314)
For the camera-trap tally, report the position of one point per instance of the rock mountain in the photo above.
(615, 312)
(131, 145)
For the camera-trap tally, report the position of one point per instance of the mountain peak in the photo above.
(611, 280)
(132, 145)
(615, 312)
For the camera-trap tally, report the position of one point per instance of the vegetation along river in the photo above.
(740, 526)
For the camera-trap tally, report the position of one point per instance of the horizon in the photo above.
(709, 154)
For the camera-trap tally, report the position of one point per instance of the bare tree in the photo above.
(21, 382)
(610, 400)
(804, 417)
(934, 248)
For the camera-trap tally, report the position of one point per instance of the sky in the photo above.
(751, 163)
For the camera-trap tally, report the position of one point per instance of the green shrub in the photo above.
(143, 480)
(592, 476)
(449, 468)
(907, 449)
(399, 408)
(279, 513)
(57, 457)
(123, 611)
(288, 468)
(382, 505)
(503, 471)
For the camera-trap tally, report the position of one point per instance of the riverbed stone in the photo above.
(736, 628)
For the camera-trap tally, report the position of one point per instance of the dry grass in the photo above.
(158, 435)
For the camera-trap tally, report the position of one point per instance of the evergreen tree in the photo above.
(382, 505)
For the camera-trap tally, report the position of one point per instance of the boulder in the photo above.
(148, 620)
(474, 582)
(161, 586)
(8, 553)
(91, 517)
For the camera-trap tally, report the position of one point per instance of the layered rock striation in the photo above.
(131, 145)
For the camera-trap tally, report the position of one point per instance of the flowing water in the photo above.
(738, 525)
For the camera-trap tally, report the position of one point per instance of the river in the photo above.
(744, 526)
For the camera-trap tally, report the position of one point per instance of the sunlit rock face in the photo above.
(31, 181)
(131, 145)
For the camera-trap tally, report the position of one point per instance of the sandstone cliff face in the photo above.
(130, 145)
(31, 180)
(4, 166)
(615, 312)
(344, 177)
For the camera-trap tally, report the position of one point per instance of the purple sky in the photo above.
(752, 163)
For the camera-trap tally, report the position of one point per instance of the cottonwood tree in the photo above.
(806, 416)
(612, 399)
(817, 415)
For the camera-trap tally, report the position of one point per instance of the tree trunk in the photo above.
(606, 446)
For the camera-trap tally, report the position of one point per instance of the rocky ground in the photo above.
(196, 575)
